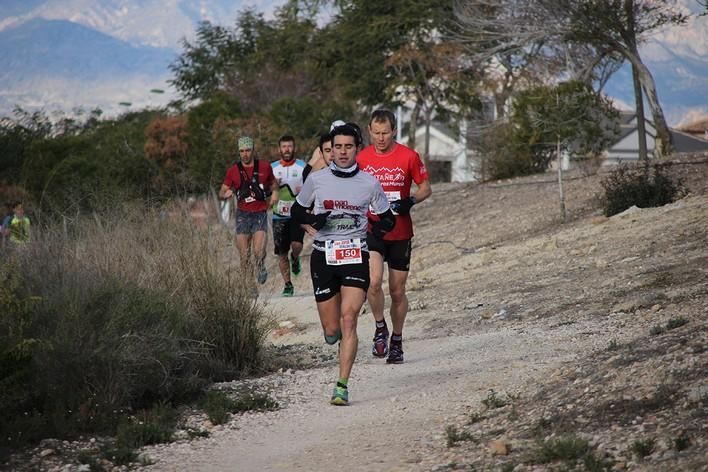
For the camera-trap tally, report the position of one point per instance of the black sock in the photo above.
(397, 338)
(380, 325)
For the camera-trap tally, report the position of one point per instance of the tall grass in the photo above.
(107, 314)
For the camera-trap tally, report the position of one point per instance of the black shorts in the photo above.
(327, 280)
(284, 233)
(396, 253)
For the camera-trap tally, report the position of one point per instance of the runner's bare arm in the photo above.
(225, 192)
(317, 161)
(423, 192)
(309, 229)
(275, 192)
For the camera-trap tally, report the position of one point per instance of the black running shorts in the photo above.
(286, 232)
(396, 253)
(328, 279)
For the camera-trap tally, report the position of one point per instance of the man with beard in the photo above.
(287, 234)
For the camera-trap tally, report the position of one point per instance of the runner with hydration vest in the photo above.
(252, 182)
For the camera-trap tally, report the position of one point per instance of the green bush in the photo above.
(147, 427)
(119, 455)
(657, 330)
(682, 442)
(674, 323)
(100, 352)
(503, 159)
(644, 188)
(253, 401)
(218, 405)
(567, 449)
(592, 463)
(570, 115)
(455, 436)
(18, 346)
(493, 400)
(88, 169)
(643, 447)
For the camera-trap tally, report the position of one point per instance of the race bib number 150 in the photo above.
(347, 251)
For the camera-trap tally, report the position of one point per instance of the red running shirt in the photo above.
(396, 171)
(265, 178)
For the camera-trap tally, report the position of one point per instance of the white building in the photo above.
(626, 147)
(450, 159)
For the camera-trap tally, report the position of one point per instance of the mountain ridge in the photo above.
(145, 33)
(75, 51)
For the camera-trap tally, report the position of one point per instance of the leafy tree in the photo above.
(257, 62)
(259, 77)
(166, 147)
(68, 173)
(16, 134)
(432, 76)
(620, 27)
(570, 118)
(304, 117)
(407, 57)
(199, 71)
(210, 144)
(362, 35)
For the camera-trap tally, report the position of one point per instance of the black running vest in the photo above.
(249, 187)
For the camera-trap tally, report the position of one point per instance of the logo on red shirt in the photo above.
(388, 177)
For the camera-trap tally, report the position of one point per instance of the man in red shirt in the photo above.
(252, 182)
(395, 166)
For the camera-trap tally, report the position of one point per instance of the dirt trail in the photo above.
(393, 408)
(501, 295)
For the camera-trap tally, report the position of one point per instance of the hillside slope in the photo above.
(556, 319)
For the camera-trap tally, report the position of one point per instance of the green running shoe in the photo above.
(289, 290)
(340, 396)
(295, 267)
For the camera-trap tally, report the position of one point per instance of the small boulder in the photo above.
(499, 448)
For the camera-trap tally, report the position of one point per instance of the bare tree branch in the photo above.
(490, 28)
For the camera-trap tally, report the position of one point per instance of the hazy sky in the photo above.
(677, 56)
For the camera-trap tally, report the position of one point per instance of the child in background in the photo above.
(16, 227)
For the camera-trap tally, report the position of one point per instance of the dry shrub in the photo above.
(127, 309)
(642, 187)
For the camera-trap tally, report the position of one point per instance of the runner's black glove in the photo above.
(302, 216)
(385, 224)
(403, 207)
(319, 221)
